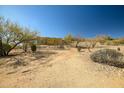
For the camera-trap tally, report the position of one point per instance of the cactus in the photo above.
(33, 48)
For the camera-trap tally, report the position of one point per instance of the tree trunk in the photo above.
(6, 53)
(15, 46)
(1, 48)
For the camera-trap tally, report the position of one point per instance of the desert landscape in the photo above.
(60, 68)
(61, 47)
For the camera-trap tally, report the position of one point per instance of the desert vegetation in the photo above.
(68, 61)
(108, 56)
(11, 35)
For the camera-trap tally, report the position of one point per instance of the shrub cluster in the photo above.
(108, 56)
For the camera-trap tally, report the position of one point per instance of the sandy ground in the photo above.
(65, 69)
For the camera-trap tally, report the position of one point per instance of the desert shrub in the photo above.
(108, 42)
(108, 56)
(118, 42)
(79, 49)
(18, 62)
(25, 47)
(61, 46)
(118, 49)
(68, 38)
(33, 47)
(104, 39)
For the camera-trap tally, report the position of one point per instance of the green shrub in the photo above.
(33, 48)
(108, 56)
(108, 42)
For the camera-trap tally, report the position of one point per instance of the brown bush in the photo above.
(108, 56)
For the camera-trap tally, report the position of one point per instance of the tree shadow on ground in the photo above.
(14, 54)
(14, 58)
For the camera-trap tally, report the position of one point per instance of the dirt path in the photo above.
(68, 69)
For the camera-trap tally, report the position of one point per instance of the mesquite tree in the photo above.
(68, 38)
(11, 35)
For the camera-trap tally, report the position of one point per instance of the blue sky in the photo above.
(57, 21)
